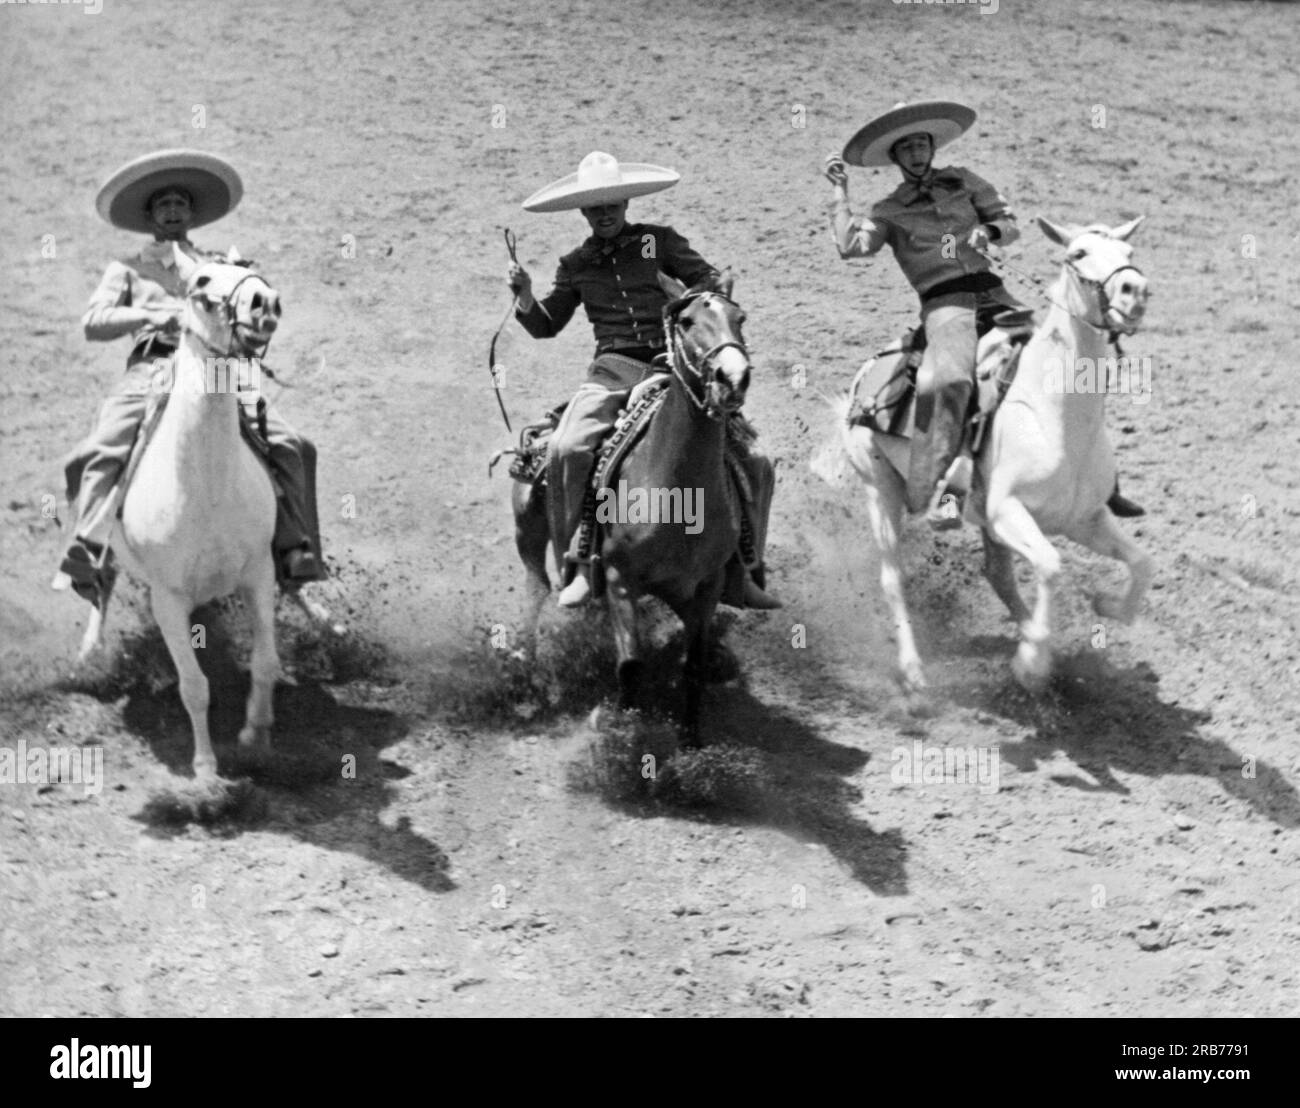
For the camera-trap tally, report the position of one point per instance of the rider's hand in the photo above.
(166, 320)
(520, 283)
(836, 172)
(979, 239)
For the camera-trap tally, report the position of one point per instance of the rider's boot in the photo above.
(754, 595)
(1122, 507)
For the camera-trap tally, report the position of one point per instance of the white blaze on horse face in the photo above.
(732, 378)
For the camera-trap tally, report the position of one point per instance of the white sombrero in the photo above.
(211, 182)
(944, 120)
(601, 180)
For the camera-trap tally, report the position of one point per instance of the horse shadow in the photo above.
(1107, 719)
(799, 781)
(323, 783)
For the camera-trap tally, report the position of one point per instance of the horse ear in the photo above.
(725, 282)
(1059, 235)
(1124, 230)
(672, 287)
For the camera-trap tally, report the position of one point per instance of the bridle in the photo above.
(703, 367)
(1098, 288)
(239, 342)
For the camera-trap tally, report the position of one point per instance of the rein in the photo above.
(1099, 288)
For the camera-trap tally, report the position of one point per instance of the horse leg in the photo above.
(622, 613)
(1013, 526)
(265, 663)
(173, 615)
(885, 508)
(1000, 571)
(1102, 534)
(94, 630)
(697, 619)
(532, 535)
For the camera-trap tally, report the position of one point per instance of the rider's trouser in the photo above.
(944, 383)
(582, 428)
(93, 468)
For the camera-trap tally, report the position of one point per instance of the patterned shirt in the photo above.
(153, 277)
(616, 281)
(927, 225)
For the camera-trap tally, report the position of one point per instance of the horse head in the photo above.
(1097, 257)
(707, 349)
(233, 308)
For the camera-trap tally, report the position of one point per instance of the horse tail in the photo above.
(832, 460)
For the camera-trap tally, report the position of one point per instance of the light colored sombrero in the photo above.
(942, 119)
(210, 180)
(601, 180)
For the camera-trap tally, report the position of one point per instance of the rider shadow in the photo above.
(323, 782)
(1106, 720)
(799, 782)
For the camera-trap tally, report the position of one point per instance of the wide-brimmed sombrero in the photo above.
(944, 120)
(211, 182)
(601, 180)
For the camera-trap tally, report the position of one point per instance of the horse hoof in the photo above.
(254, 735)
(205, 771)
(1111, 607)
(911, 678)
(1030, 675)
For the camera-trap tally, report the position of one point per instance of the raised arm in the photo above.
(854, 237)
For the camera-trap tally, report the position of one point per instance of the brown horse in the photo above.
(679, 460)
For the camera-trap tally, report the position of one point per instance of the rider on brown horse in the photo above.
(614, 275)
(939, 223)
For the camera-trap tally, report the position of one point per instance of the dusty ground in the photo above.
(1140, 855)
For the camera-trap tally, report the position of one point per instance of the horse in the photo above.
(683, 451)
(1047, 466)
(198, 517)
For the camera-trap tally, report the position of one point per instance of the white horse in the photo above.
(198, 517)
(1047, 468)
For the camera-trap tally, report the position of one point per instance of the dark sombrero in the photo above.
(212, 183)
(943, 120)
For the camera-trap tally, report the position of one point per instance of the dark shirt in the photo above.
(616, 281)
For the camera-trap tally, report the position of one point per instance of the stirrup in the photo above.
(578, 591)
(945, 510)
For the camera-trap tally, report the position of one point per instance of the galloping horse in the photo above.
(198, 517)
(1047, 467)
(682, 452)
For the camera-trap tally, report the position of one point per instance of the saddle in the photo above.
(883, 393)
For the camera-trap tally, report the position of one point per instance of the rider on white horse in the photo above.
(143, 295)
(614, 276)
(939, 223)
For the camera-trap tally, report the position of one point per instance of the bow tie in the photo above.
(944, 180)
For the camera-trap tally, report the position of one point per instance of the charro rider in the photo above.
(939, 223)
(165, 195)
(614, 276)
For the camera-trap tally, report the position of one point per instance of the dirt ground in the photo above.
(494, 852)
